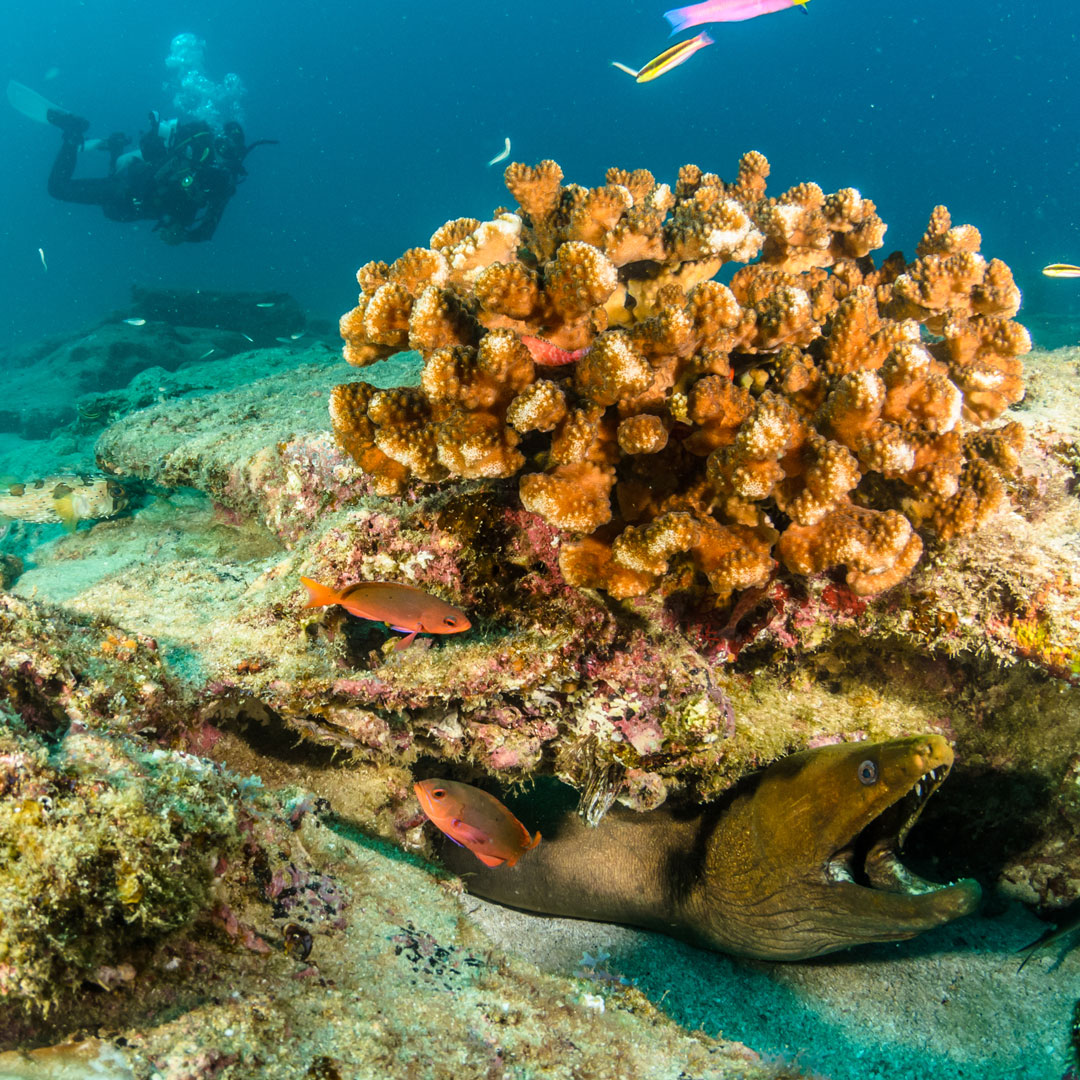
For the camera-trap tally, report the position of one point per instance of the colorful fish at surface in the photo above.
(668, 59)
(475, 820)
(66, 500)
(1062, 270)
(725, 11)
(403, 608)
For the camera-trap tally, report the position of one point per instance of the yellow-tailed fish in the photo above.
(1061, 270)
(66, 500)
(668, 59)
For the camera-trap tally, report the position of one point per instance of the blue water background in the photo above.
(387, 113)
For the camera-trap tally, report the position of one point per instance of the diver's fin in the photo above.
(30, 102)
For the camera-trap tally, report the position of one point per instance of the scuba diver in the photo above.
(181, 177)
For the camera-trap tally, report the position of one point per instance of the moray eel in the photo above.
(800, 861)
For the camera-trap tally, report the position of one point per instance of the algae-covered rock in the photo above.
(183, 626)
(314, 949)
(104, 844)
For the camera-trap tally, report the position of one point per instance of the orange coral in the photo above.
(587, 564)
(539, 407)
(681, 429)
(642, 434)
(575, 496)
(356, 434)
(878, 548)
(983, 357)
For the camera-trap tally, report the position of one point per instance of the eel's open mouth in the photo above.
(871, 857)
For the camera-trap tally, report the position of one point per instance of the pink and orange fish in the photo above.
(725, 11)
(403, 608)
(475, 820)
(543, 352)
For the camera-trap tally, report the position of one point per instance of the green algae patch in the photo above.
(104, 847)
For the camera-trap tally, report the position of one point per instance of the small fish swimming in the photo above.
(668, 59)
(266, 303)
(725, 11)
(135, 322)
(1062, 270)
(41, 253)
(66, 500)
(475, 820)
(408, 610)
(502, 156)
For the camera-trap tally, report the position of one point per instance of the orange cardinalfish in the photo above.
(475, 820)
(405, 609)
(1061, 270)
(668, 59)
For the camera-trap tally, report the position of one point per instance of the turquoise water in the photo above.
(388, 114)
(385, 119)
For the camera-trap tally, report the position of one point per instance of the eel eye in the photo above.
(449, 621)
(438, 793)
(868, 772)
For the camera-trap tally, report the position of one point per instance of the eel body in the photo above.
(802, 861)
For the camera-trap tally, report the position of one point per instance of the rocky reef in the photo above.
(152, 662)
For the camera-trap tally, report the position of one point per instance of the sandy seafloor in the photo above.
(948, 1004)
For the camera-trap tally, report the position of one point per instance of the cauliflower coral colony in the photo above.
(820, 411)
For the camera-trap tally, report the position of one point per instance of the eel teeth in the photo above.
(837, 869)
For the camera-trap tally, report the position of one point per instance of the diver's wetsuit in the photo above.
(185, 198)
